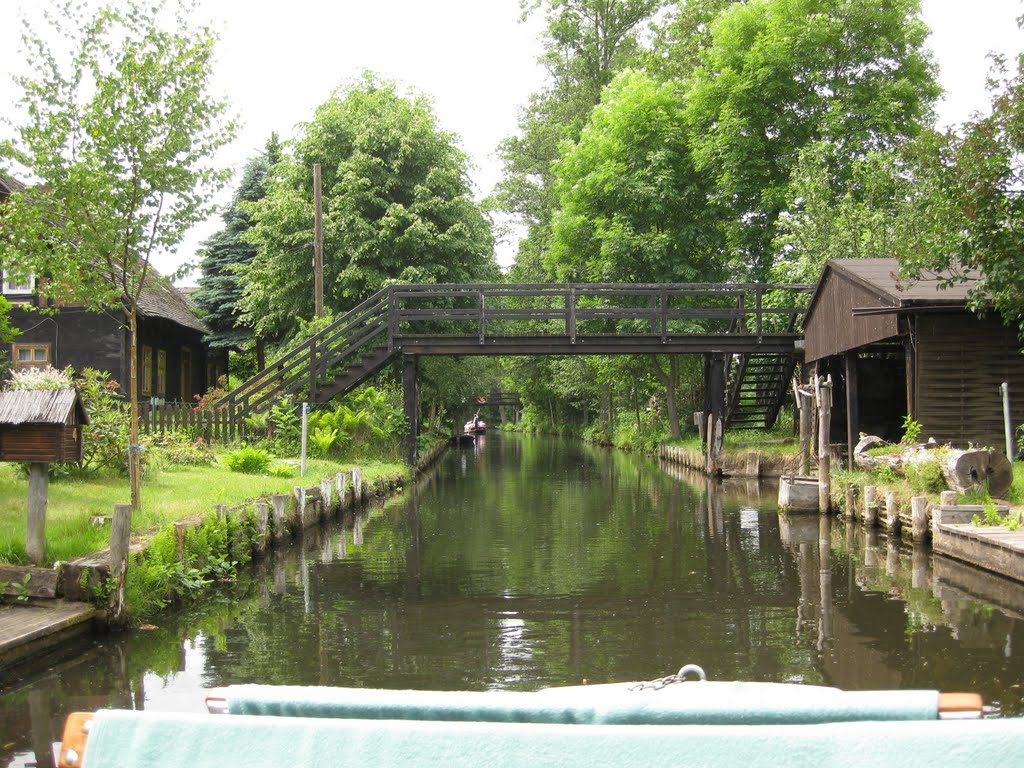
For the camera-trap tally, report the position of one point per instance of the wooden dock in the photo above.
(994, 548)
(31, 627)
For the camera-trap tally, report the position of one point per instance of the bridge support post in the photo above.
(714, 401)
(410, 367)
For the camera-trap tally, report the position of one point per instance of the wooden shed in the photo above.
(41, 426)
(895, 348)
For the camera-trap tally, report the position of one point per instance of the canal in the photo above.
(529, 562)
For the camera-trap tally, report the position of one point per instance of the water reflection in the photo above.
(527, 562)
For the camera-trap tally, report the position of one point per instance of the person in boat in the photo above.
(476, 420)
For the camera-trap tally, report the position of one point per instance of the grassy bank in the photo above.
(168, 494)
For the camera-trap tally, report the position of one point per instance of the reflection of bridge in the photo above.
(750, 325)
(499, 399)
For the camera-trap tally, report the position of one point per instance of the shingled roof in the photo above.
(40, 406)
(161, 299)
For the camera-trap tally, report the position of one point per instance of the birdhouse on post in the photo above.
(40, 427)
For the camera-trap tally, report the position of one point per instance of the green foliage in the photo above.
(925, 476)
(779, 75)
(160, 577)
(226, 256)
(884, 474)
(19, 588)
(632, 207)
(105, 437)
(323, 440)
(249, 460)
(966, 216)
(992, 516)
(911, 430)
(397, 207)
(285, 424)
(179, 449)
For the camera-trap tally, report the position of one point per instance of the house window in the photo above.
(146, 379)
(31, 355)
(161, 373)
(23, 286)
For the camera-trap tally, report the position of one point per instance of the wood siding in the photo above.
(831, 328)
(40, 443)
(960, 362)
(76, 337)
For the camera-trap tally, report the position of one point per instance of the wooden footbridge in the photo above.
(747, 332)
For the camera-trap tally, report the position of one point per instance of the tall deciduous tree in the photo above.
(119, 130)
(632, 207)
(782, 74)
(397, 207)
(226, 256)
(965, 217)
(586, 43)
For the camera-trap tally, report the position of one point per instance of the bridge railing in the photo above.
(573, 310)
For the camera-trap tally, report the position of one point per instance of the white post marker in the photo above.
(1004, 389)
(305, 430)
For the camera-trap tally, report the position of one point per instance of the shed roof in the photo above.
(882, 276)
(40, 406)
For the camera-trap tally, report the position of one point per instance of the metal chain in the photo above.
(678, 677)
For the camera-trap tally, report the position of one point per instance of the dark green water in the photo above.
(533, 562)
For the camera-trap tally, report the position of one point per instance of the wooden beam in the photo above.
(852, 410)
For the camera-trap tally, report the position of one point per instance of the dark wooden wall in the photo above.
(76, 337)
(961, 360)
(85, 339)
(831, 328)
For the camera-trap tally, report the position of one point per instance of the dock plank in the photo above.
(23, 625)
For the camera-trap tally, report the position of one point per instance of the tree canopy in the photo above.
(780, 75)
(397, 207)
(119, 129)
(226, 255)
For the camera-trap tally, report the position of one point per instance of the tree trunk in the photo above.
(967, 470)
(670, 381)
(134, 463)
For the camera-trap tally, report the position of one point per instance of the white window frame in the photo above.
(20, 289)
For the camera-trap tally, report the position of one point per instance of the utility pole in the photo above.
(318, 243)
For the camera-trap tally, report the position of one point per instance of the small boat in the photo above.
(650, 723)
(474, 427)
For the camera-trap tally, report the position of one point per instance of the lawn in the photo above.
(169, 494)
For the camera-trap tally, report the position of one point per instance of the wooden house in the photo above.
(174, 362)
(41, 426)
(896, 348)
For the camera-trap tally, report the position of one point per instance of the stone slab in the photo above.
(27, 628)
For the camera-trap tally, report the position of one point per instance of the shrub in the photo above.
(180, 449)
(925, 476)
(323, 440)
(251, 461)
(40, 378)
(105, 437)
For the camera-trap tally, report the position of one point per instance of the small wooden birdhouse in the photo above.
(41, 426)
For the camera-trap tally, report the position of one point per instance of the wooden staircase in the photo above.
(337, 359)
(759, 384)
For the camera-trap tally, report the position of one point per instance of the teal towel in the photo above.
(695, 703)
(125, 739)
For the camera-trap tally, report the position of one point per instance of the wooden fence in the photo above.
(211, 424)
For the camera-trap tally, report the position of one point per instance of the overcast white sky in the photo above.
(278, 61)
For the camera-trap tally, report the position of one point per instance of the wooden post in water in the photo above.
(326, 497)
(870, 505)
(262, 526)
(340, 487)
(278, 502)
(892, 513)
(823, 395)
(804, 398)
(919, 517)
(35, 528)
(852, 400)
(410, 390)
(120, 538)
(948, 498)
